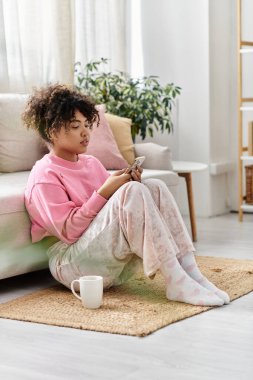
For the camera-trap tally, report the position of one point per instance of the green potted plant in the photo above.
(144, 100)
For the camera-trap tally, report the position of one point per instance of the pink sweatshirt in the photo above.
(61, 196)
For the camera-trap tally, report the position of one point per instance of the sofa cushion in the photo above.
(14, 219)
(157, 156)
(12, 189)
(121, 129)
(23, 259)
(170, 178)
(17, 253)
(103, 146)
(19, 147)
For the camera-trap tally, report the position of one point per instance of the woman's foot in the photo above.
(181, 287)
(189, 264)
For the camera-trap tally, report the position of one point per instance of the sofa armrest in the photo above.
(157, 156)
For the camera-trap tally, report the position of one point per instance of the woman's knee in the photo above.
(134, 186)
(134, 190)
(155, 183)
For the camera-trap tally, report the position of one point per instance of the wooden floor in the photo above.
(217, 344)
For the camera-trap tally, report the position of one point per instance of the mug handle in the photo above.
(73, 290)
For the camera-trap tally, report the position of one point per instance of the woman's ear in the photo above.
(49, 145)
(52, 136)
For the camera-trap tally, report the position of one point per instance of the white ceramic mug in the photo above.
(91, 291)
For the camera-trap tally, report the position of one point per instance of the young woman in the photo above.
(95, 223)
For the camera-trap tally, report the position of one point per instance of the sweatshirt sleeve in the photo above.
(58, 215)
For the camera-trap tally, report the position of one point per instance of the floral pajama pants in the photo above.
(139, 225)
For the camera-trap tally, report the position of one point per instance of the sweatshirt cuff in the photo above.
(96, 202)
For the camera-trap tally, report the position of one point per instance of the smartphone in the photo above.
(137, 162)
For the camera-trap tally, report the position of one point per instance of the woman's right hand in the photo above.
(113, 183)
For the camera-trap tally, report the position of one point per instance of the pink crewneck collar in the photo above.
(65, 163)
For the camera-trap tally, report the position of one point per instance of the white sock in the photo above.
(189, 264)
(181, 287)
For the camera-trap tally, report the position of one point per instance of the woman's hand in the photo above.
(135, 173)
(113, 183)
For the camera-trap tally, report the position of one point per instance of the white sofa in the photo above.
(19, 150)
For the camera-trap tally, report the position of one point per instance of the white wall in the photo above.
(222, 45)
(189, 43)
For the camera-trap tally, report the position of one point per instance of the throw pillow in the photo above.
(103, 146)
(19, 148)
(121, 129)
(157, 156)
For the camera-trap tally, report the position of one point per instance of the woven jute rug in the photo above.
(137, 308)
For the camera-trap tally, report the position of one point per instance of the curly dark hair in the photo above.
(48, 108)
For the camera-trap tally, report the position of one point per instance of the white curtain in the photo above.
(40, 40)
(101, 31)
